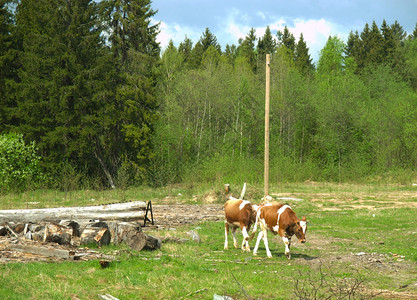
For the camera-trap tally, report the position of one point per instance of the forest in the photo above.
(89, 100)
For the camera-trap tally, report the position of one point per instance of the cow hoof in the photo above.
(270, 256)
(255, 253)
(288, 256)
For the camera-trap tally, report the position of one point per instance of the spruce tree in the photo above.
(230, 53)
(303, 61)
(287, 39)
(361, 58)
(40, 56)
(185, 48)
(353, 50)
(208, 39)
(414, 34)
(127, 114)
(9, 64)
(246, 48)
(266, 45)
(375, 53)
(61, 42)
(196, 55)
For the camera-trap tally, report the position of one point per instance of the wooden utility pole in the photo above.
(266, 163)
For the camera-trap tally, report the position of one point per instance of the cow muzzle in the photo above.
(302, 241)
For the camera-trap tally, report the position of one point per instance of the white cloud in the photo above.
(235, 26)
(176, 33)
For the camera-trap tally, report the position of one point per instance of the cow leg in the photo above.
(234, 236)
(255, 250)
(265, 238)
(287, 243)
(226, 234)
(245, 244)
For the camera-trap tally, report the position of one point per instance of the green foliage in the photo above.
(85, 80)
(19, 164)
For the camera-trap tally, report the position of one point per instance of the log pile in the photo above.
(83, 233)
(75, 226)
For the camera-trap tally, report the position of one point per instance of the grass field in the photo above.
(361, 243)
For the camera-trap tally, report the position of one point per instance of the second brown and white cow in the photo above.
(279, 219)
(241, 214)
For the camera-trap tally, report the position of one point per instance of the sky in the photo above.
(230, 20)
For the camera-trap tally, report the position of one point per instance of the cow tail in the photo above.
(255, 227)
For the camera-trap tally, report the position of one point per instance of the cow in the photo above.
(238, 213)
(279, 219)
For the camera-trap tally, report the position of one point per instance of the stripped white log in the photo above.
(129, 211)
(242, 194)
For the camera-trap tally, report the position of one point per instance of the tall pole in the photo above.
(266, 163)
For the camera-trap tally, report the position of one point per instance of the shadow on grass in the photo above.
(281, 254)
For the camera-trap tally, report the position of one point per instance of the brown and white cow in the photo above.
(279, 219)
(238, 213)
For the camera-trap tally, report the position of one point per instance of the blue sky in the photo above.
(230, 20)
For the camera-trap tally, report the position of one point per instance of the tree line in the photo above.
(88, 84)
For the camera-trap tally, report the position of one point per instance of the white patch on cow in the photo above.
(281, 210)
(303, 225)
(268, 204)
(243, 204)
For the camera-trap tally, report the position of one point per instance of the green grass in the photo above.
(198, 271)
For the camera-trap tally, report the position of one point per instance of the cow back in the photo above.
(237, 211)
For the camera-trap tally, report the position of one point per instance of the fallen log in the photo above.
(44, 251)
(129, 211)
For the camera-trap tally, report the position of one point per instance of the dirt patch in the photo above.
(168, 216)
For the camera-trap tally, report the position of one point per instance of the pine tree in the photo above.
(303, 62)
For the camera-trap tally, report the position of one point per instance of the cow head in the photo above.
(301, 229)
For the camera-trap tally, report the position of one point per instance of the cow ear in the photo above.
(304, 219)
